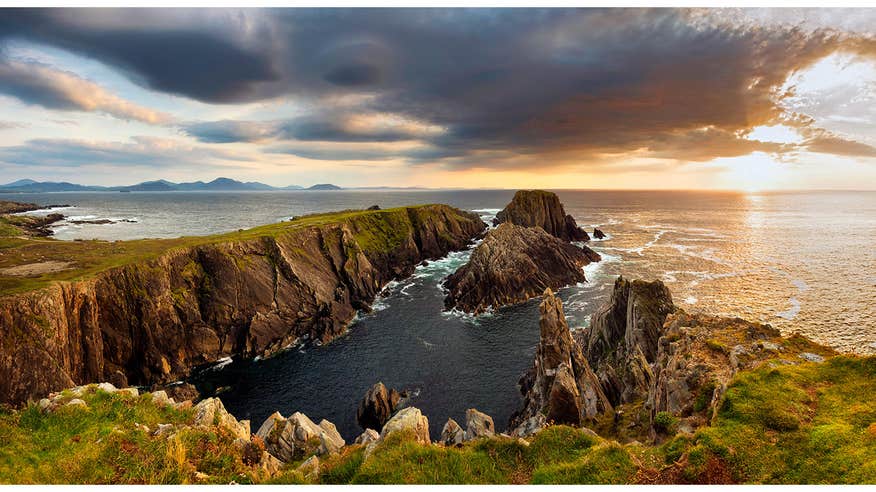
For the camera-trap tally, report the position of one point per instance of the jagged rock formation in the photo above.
(537, 208)
(560, 386)
(247, 294)
(408, 419)
(377, 406)
(296, 437)
(514, 264)
(641, 349)
(621, 342)
(452, 434)
(598, 234)
(699, 354)
(478, 424)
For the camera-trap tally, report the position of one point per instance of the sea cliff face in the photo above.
(155, 320)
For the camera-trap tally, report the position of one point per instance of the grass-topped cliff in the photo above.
(805, 423)
(375, 230)
(150, 310)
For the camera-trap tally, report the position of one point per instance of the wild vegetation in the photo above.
(805, 423)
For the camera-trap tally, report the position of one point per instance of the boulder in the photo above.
(377, 406)
(211, 411)
(77, 403)
(408, 419)
(560, 385)
(514, 264)
(537, 208)
(478, 424)
(295, 437)
(107, 387)
(310, 467)
(598, 234)
(367, 437)
(160, 398)
(179, 391)
(452, 434)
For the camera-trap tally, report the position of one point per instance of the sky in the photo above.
(747, 99)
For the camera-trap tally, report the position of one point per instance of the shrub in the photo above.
(665, 422)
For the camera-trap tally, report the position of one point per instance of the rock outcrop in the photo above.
(622, 341)
(560, 386)
(377, 406)
(478, 424)
(598, 234)
(247, 294)
(408, 419)
(514, 264)
(537, 208)
(641, 350)
(211, 412)
(452, 434)
(296, 437)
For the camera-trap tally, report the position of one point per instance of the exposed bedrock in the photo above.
(560, 386)
(377, 406)
(641, 349)
(153, 321)
(514, 264)
(537, 208)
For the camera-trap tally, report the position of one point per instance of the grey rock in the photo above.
(452, 434)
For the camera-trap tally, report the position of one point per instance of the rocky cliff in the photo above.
(537, 208)
(560, 387)
(155, 320)
(514, 264)
(642, 354)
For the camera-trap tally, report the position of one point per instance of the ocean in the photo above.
(801, 261)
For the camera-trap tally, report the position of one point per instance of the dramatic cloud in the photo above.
(39, 84)
(474, 88)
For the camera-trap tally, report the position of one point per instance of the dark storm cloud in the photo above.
(576, 82)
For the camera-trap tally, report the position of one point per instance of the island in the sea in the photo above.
(97, 339)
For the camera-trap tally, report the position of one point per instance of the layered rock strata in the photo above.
(514, 264)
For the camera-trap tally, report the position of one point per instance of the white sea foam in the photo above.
(691, 300)
(793, 311)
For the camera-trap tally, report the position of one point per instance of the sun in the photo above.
(754, 172)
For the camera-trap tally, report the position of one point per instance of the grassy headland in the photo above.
(377, 229)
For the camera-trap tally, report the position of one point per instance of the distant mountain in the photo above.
(218, 184)
(20, 182)
(48, 187)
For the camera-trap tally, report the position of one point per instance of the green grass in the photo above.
(374, 231)
(810, 423)
(104, 444)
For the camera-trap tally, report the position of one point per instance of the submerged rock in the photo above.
(560, 385)
(537, 208)
(514, 264)
(377, 406)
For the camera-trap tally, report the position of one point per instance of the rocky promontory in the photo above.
(156, 317)
(514, 264)
(538, 208)
(642, 357)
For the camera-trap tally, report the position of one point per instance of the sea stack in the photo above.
(514, 264)
(538, 208)
(560, 386)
